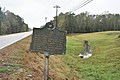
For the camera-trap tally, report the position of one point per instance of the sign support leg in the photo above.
(46, 68)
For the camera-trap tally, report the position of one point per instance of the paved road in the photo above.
(12, 38)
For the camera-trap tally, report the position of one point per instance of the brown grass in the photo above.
(32, 64)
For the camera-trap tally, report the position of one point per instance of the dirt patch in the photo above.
(25, 65)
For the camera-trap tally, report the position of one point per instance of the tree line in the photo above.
(11, 23)
(85, 22)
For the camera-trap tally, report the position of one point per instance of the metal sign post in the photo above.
(46, 68)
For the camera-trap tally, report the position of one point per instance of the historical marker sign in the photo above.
(48, 40)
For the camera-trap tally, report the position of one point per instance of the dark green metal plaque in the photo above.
(46, 40)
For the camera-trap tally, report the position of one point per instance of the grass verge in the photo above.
(105, 62)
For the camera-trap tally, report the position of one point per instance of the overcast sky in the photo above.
(34, 11)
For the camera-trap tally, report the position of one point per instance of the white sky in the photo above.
(34, 11)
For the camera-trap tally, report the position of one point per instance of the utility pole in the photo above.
(56, 13)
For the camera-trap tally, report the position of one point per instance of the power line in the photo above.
(83, 3)
(80, 5)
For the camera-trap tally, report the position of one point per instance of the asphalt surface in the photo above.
(12, 38)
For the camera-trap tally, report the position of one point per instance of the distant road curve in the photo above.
(12, 38)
